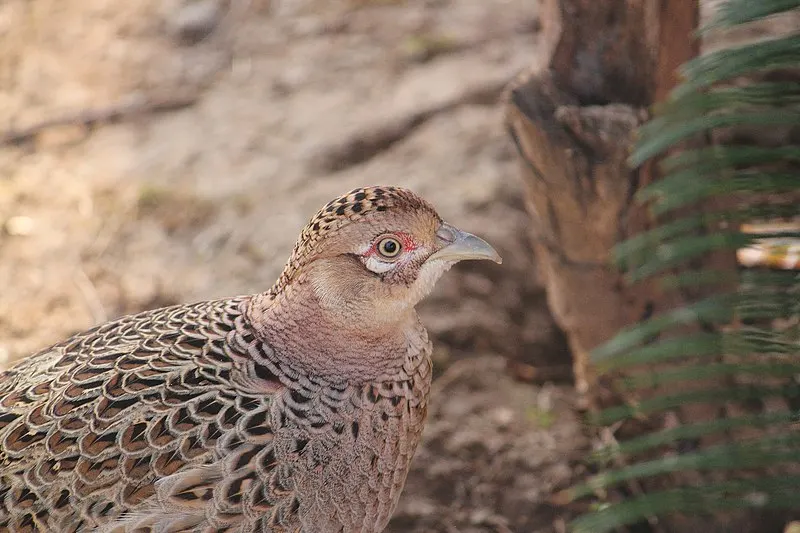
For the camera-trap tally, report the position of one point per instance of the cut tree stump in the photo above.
(573, 118)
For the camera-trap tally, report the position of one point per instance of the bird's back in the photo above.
(88, 426)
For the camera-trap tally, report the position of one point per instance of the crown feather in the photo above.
(343, 210)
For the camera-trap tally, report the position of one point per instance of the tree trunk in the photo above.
(573, 118)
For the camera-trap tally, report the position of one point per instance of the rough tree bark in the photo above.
(573, 118)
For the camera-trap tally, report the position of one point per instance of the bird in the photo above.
(297, 409)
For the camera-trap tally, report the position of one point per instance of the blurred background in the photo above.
(164, 151)
(179, 146)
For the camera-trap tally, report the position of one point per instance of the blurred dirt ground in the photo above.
(186, 142)
(205, 157)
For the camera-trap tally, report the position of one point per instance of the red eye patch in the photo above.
(406, 240)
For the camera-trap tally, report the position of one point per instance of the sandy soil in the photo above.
(286, 108)
(192, 139)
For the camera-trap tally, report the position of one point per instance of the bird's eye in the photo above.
(389, 247)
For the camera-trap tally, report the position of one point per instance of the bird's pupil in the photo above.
(390, 247)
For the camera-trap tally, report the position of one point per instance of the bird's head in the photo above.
(374, 253)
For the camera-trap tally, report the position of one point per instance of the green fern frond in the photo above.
(704, 278)
(725, 99)
(672, 253)
(703, 344)
(756, 303)
(735, 12)
(714, 396)
(660, 137)
(761, 493)
(716, 160)
(688, 187)
(711, 370)
(711, 160)
(637, 250)
(765, 451)
(743, 335)
(695, 345)
(713, 310)
(672, 436)
(729, 63)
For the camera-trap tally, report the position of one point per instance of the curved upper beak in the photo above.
(460, 245)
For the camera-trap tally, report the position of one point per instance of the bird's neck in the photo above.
(313, 339)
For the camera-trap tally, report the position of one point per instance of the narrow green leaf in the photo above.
(755, 453)
(779, 492)
(694, 278)
(777, 53)
(759, 303)
(759, 341)
(748, 340)
(706, 371)
(693, 345)
(680, 250)
(726, 99)
(714, 310)
(754, 304)
(690, 186)
(673, 253)
(671, 134)
(713, 159)
(625, 251)
(710, 396)
(734, 12)
(642, 248)
(770, 279)
(671, 436)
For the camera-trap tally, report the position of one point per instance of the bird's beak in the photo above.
(460, 245)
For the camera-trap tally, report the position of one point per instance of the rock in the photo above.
(20, 226)
(194, 20)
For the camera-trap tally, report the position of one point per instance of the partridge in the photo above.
(293, 410)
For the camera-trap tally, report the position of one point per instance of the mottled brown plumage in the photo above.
(298, 409)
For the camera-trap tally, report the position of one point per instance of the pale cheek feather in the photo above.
(377, 266)
(428, 275)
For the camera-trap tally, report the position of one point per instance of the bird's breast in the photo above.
(347, 450)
